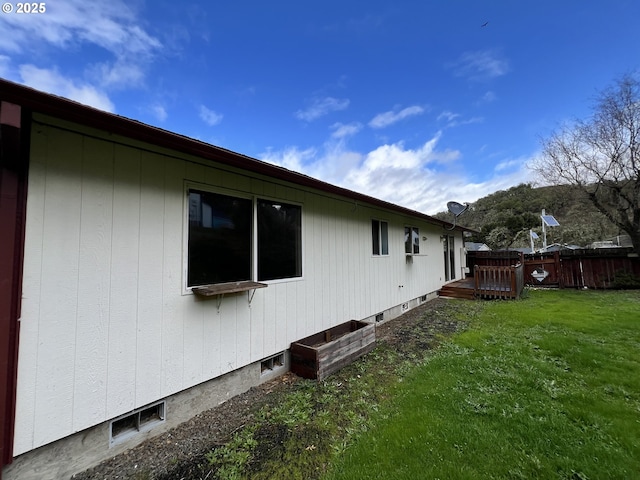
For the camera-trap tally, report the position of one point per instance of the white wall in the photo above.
(106, 326)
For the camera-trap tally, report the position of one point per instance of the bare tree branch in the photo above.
(601, 156)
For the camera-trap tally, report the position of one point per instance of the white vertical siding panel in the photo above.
(339, 256)
(121, 373)
(268, 189)
(194, 310)
(270, 320)
(173, 313)
(193, 338)
(367, 263)
(353, 265)
(310, 237)
(299, 313)
(280, 332)
(149, 335)
(243, 183)
(212, 337)
(318, 293)
(256, 320)
(243, 330)
(31, 287)
(228, 332)
(195, 172)
(346, 249)
(325, 269)
(94, 275)
(59, 292)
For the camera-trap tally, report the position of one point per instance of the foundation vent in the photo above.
(141, 420)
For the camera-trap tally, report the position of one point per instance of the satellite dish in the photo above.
(457, 209)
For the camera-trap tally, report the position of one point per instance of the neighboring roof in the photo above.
(557, 247)
(476, 247)
(69, 110)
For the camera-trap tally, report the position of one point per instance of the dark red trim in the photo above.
(14, 154)
(65, 109)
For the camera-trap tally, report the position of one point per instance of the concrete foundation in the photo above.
(80, 451)
(393, 312)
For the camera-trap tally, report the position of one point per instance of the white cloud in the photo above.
(341, 130)
(5, 66)
(111, 25)
(480, 65)
(159, 112)
(52, 81)
(448, 116)
(488, 97)
(320, 107)
(74, 24)
(119, 74)
(210, 117)
(388, 118)
(423, 179)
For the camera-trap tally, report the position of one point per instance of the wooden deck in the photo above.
(461, 289)
(488, 282)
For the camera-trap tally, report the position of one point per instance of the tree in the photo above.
(601, 156)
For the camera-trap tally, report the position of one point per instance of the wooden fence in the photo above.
(597, 268)
(498, 281)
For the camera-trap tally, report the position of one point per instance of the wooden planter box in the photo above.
(324, 353)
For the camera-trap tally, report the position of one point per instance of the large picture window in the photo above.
(380, 237)
(279, 240)
(219, 238)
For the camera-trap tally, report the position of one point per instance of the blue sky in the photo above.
(415, 102)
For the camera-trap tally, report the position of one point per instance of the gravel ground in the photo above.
(413, 332)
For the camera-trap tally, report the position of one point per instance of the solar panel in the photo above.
(534, 235)
(550, 221)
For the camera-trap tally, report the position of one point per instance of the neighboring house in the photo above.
(110, 225)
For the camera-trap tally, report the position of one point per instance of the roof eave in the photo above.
(55, 106)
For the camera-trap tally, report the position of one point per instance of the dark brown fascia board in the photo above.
(72, 111)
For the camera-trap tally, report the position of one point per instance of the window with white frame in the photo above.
(380, 237)
(279, 240)
(411, 240)
(221, 239)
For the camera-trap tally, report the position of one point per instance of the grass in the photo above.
(546, 387)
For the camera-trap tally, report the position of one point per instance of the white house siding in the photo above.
(106, 325)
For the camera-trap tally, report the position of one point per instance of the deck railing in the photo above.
(498, 282)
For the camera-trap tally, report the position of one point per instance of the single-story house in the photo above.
(146, 276)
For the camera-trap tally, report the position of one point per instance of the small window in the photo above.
(380, 237)
(279, 240)
(219, 238)
(411, 240)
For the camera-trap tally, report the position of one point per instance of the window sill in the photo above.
(229, 287)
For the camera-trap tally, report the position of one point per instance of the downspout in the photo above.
(14, 151)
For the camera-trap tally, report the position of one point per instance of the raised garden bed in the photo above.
(324, 353)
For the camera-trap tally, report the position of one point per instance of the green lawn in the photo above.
(544, 387)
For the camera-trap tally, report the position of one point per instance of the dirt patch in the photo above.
(180, 453)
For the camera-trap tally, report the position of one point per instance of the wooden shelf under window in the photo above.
(229, 287)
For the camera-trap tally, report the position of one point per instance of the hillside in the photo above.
(505, 217)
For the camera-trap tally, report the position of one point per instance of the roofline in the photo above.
(72, 111)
